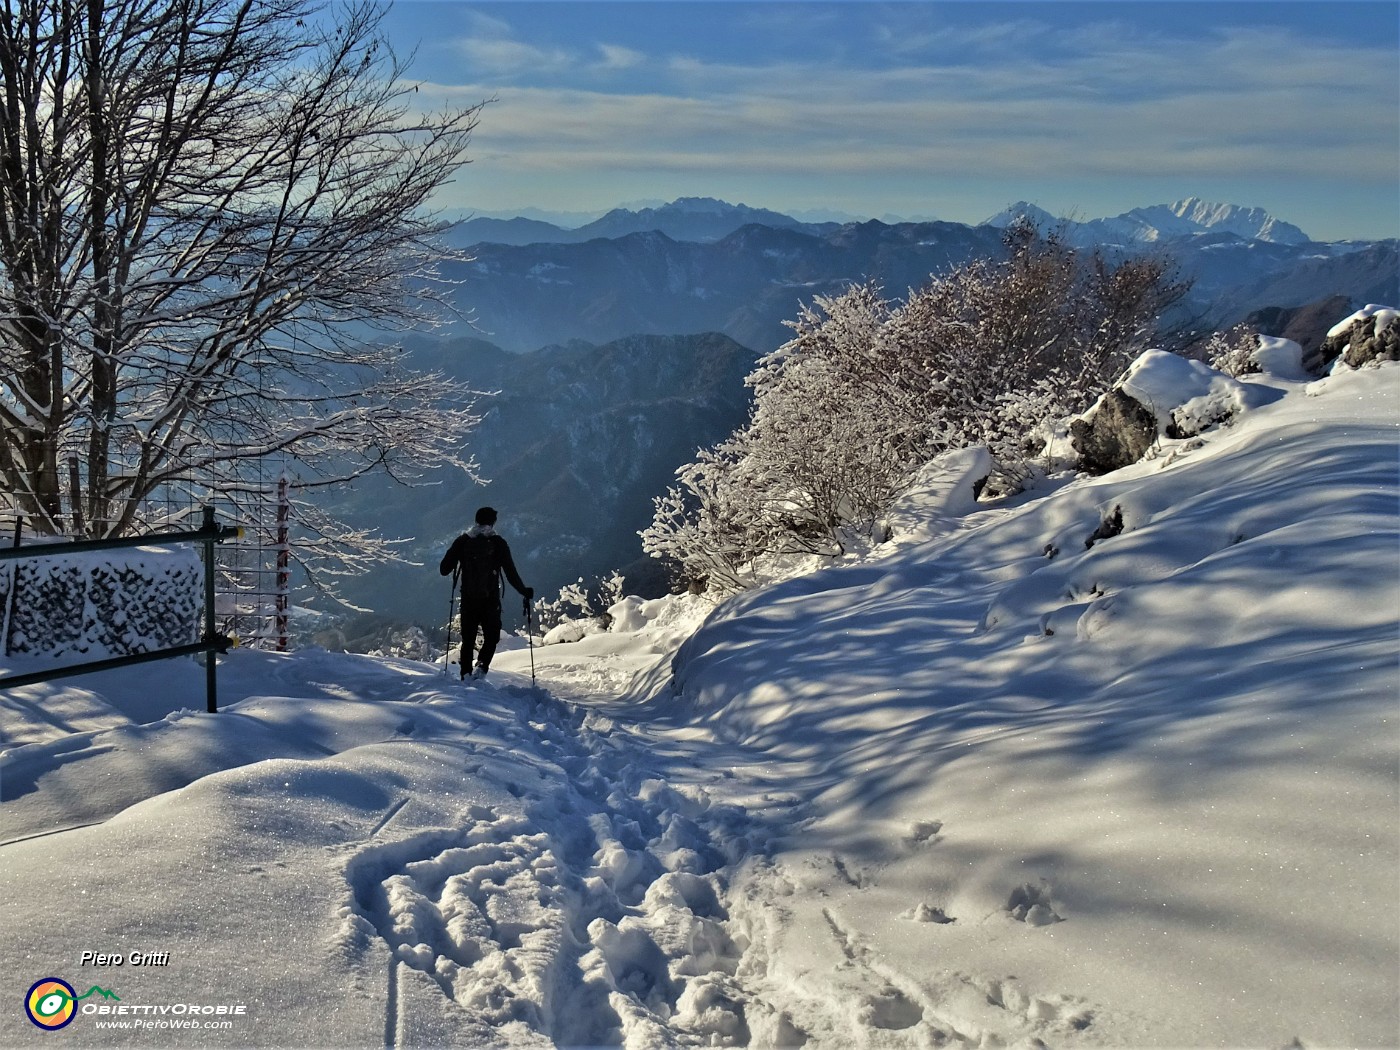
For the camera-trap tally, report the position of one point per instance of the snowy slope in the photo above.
(1154, 779)
(989, 786)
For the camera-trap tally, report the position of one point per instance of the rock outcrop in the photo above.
(1305, 325)
(1370, 334)
(1118, 431)
(1160, 396)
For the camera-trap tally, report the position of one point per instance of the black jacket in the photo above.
(501, 563)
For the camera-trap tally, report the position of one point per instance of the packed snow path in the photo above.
(512, 870)
(566, 918)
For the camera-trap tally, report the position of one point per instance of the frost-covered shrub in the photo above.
(990, 353)
(1233, 352)
(579, 602)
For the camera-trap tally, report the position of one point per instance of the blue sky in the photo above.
(950, 110)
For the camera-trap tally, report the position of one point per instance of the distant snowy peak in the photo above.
(1185, 218)
(1193, 215)
(1022, 210)
(711, 206)
(708, 207)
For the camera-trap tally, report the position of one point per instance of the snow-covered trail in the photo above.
(560, 919)
(456, 864)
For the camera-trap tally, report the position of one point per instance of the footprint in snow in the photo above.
(922, 831)
(1065, 1012)
(1031, 904)
(924, 912)
(890, 1009)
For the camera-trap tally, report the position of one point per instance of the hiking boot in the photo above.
(479, 674)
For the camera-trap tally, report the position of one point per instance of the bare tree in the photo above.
(211, 211)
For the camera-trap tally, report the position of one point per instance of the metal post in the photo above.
(451, 602)
(530, 636)
(282, 600)
(75, 496)
(211, 686)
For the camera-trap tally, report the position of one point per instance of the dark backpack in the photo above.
(478, 562)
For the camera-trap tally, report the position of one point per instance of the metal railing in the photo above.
(211, 642)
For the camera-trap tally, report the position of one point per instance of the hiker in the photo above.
(481, 556)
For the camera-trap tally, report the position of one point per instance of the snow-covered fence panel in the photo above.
(141, 608)
(86, 602)
(46, 608)
(101, 604)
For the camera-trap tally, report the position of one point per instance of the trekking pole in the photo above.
(530, 637)
(451, 603)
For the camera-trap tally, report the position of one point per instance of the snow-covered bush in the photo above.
(578, 604)
(868, 390)
(409, 643)
(1233, 352)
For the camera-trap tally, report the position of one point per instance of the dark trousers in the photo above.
(482, 614)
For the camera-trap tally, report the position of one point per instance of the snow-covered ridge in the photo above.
(1184, 218)
(1082, 738)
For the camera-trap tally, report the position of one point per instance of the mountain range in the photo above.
(699, 219)
(1191, 217)
(699, 265)
(619, 348)
(705, 219)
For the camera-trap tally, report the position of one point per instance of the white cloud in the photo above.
(486, 25)
(488, 56)
(1257, 103)
(491, 48)
(618, 57)
(908, 37)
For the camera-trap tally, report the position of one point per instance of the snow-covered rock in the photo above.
(1161, 395)
(1117, 431)
(571, 631)
(1280, 358)
(1370, 334)
(946, 488)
